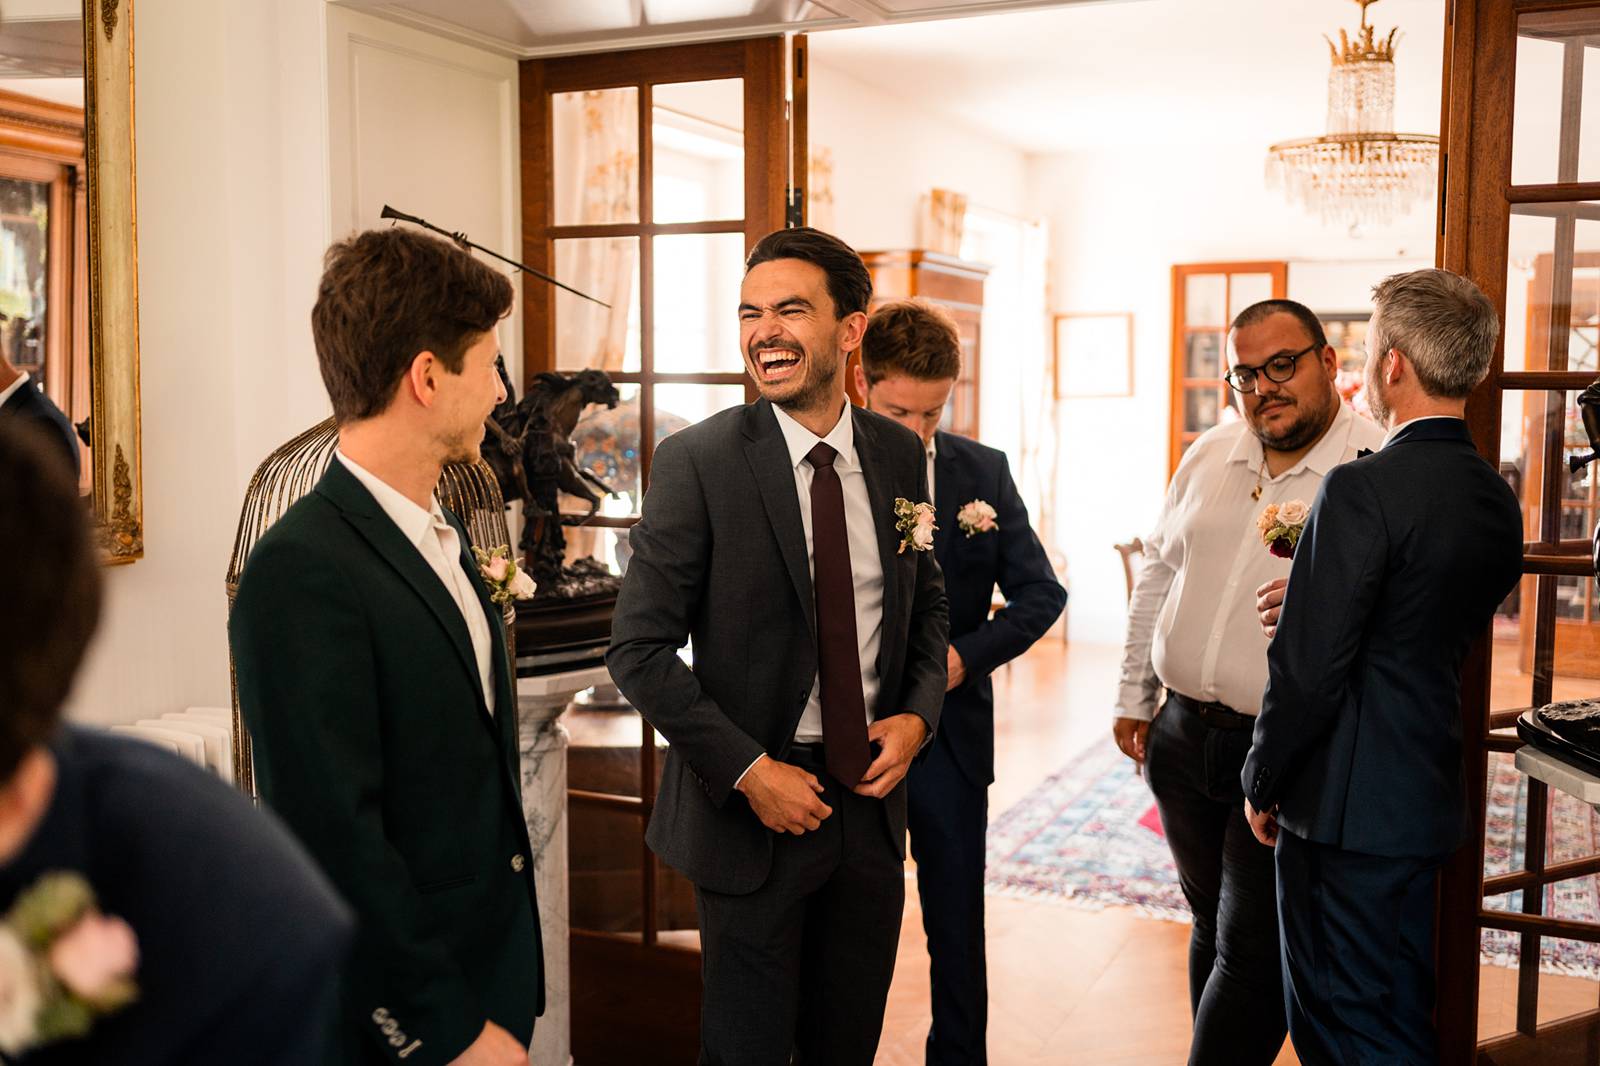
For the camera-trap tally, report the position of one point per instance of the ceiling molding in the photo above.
(845, 14)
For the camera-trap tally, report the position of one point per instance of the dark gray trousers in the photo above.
(799, 970)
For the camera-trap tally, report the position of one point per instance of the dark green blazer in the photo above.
(374, 743)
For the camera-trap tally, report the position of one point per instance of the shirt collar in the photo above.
(1326, 454)
(413, 521)
(800, 440)
(1395, 432)
(15, 387)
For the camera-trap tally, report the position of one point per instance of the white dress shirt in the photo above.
(866, 568)
(1192, 619)
(437, 542)
(933, 453)
(11, 389)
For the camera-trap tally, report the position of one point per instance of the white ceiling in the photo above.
(1182, 72)
(529, 28)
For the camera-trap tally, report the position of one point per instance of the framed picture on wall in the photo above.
(1093, 355)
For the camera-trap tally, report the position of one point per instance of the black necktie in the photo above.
(844, 709)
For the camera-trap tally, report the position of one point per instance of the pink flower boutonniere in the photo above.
(63, 964)
(506, 580)
(977, 517)
(915, 523)
(1281, 525)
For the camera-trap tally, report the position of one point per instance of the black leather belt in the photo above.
(1215, 715)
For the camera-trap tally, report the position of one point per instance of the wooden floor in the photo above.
(1068, 986)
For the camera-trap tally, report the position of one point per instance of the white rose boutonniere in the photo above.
(63, 964)
(915, 523)
(977, 517)
(1281, 525)
(506, 580)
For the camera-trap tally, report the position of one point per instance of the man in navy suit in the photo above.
(910, 359)
(239, 939)
(21, 398)
(1355, 770)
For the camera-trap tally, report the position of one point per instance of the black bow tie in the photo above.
(1363, 453)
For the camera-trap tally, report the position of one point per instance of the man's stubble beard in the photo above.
(819, 383)
(1305, 430)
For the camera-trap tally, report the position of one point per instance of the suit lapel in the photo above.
(883, 517)
(947, 492)
(362, 511)
(768, 456)
(505, 697)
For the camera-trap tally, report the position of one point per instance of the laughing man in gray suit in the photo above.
(819, 629)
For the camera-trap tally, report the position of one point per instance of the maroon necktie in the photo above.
(844, 710)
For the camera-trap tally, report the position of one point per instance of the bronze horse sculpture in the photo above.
(529, 448)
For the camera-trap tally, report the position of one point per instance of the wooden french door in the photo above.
(646, 176)
(1519, 929)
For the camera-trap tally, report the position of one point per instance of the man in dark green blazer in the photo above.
(373, 674)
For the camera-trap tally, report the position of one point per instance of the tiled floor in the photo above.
(1074, 987)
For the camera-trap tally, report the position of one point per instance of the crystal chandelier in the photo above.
(1360, 172)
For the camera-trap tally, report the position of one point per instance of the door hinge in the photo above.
(794, 213)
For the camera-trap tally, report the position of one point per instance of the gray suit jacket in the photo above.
(719, 558)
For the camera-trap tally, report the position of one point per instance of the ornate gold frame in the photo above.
(113, 278)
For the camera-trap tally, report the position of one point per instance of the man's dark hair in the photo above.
(385, 296)
(911, 337)
(1257, 313)
(849, 284)
(52, 589)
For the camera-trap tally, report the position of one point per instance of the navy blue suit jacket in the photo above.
(30, 403)
(1010, 557)
(241, 939)
(1406, 555)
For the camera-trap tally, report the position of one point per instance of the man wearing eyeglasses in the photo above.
(1193, 630)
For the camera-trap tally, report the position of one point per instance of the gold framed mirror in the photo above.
(69, 330)
(113, 277)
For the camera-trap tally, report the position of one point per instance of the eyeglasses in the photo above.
(1278, 369)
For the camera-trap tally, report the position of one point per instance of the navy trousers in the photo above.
(948, 817)
(1357, 941)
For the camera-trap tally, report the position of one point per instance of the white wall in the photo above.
(1120, 219)
(888, 151)
(237, 201)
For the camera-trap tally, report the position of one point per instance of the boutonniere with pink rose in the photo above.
(63, 964)
(915, 523)
(977, 517)
(1281, 525)
(506, 580)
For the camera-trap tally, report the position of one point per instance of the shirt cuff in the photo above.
(747, 769)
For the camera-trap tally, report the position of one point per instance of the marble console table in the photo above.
(543, 740)
(1556, 773)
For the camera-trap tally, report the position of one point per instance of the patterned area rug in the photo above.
(1089, 836)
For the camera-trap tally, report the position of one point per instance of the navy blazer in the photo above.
(31, 403)
(1012, 558)
(1404, 559)
(240, 938)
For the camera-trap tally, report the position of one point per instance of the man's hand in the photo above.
(786, 798)
(901, 738)
(957, 669)
(1130, 734)
(494, 1047)
(1263, 824)
(1269, 603)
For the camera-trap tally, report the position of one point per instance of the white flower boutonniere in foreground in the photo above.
(1281, 525)
(977, 517)
(915, 523)
(63, 964)
(505, 579)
